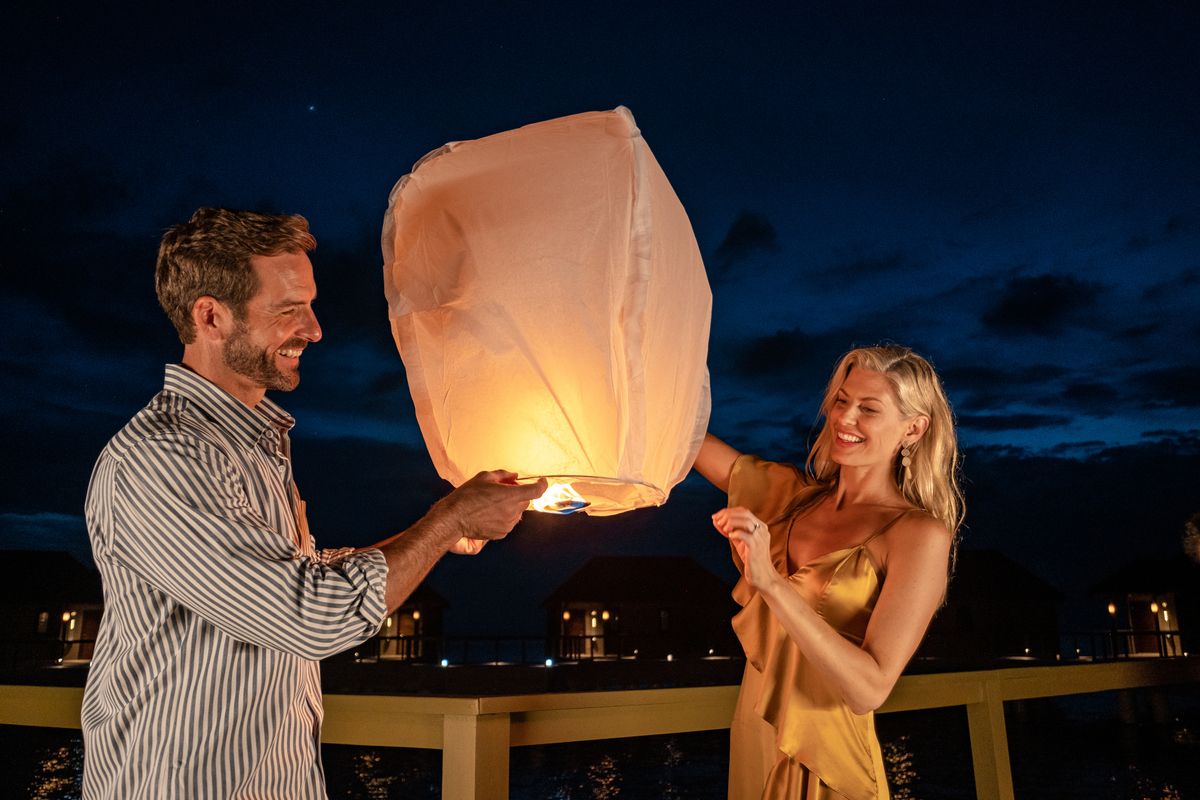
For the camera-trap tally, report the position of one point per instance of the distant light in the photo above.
(416, 615)
(1026, 651)
(604, 615)
(1076, 651)
(66, 615)
(593, 619)
(1166, 616)
(312, 108)
(710, 651)
(388, 622)
(549, 662)
(445, 662)
(635, 651)
(566, 616)
(1112, 608)
(1154, 608)
(670, 657)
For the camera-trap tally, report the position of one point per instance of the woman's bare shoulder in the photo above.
(918, 531)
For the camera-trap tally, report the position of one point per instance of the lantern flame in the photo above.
(560, 498)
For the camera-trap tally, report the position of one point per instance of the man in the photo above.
(218, 606)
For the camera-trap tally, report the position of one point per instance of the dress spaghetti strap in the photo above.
(886, 527)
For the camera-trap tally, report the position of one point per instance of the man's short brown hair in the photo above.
(210, 255)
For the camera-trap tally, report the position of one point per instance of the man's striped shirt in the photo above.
(217, 605)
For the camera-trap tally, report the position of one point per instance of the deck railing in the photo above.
(475, 734)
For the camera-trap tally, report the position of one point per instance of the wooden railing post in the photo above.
(475, 757)
(989, 746)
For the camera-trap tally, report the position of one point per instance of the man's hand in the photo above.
(487, 507)
(467, 547)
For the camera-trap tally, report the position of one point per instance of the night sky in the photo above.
(1014, 191)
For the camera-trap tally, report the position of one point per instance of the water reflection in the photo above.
(898, 760)
(1145, 788)
(605, 779)
(58, 774)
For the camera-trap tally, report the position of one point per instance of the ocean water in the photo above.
(1060, 749)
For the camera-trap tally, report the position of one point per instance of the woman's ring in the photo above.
(754, 529)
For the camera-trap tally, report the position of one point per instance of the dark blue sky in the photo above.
(1014, 190)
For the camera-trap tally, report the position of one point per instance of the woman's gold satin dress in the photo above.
(792, 736)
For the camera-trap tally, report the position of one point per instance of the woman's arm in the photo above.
(715, 461)
(918, 551)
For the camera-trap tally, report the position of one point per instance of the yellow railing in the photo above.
(476, 733)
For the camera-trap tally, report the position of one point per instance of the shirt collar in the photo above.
(238, 419)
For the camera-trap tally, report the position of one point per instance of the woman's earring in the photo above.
(906, 460)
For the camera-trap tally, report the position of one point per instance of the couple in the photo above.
(218, 606)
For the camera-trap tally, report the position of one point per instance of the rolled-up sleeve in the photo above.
(183, 522)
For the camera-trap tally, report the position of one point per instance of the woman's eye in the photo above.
(870, 410)
(839, 402)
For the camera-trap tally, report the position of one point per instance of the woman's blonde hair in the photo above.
(931, 480)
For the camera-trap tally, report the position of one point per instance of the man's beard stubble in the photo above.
(241, 356)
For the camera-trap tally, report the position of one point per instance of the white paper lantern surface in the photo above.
(549, 301)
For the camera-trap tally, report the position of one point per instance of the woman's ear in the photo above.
(916, 428)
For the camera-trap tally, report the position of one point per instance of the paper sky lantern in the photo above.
(549, 301)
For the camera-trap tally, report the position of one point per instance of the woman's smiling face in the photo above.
(865, 422)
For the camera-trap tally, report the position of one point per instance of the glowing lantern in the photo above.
(551, 307)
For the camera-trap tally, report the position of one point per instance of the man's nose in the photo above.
(311, 330)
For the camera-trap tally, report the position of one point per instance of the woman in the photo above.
(843, 565)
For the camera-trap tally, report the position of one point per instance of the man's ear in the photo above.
(213, 319)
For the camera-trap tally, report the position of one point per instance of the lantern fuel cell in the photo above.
(548, 299)
(560, 498)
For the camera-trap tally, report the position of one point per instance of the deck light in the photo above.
(549, 662)
(445, 662)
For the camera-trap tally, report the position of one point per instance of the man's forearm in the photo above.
(411, 554)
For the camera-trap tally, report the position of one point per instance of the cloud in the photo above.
(1098, 399)
(1165, 290)
(1168, 387)
(985, 387)
(1041, 305)
(1010, 422)
(82, 190)
(1176, 226)
(860, 267)
(750, 233)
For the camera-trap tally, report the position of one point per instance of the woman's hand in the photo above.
(752, 541)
